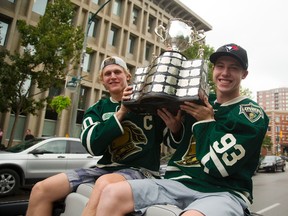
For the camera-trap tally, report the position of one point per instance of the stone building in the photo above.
(122, 27)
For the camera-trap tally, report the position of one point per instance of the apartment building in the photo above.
(275, 103)
(122, 27)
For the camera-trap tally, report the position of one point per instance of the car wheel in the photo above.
(283, 168)
(9, 182)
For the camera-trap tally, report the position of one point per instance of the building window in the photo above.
(148, 52)
(277, 119)
(105, 94)
(131, 44)
(82, 104)
(87, 62)
(116, 10)
(135, 14)
(39, 6)
(4, 26)
(51, 114)
(151, 24)
(93, 28)
(93, 25)
(95, 1)
(112, 38)
(82, 98)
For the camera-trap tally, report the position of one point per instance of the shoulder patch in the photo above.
(107, 115)
(251, 111)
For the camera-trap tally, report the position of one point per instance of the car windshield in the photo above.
(24, 145)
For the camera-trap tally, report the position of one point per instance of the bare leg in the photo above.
(45, 192)
(116, 200)
(100, 184)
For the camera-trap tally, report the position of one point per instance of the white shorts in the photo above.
(147, 192)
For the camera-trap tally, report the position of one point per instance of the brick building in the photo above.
(275, 103)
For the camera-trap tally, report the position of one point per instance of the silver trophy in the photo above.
(171, 79)
(179, 34)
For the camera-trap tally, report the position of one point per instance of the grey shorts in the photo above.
(90, 175)
(149, 192)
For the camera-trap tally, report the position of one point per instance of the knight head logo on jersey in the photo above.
(127, 144)
(251, 111)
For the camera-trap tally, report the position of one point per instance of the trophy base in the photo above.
(152, 102)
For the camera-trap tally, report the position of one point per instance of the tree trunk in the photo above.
(11, 139)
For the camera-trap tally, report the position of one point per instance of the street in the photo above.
(270, 193)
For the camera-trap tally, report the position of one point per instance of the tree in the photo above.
(193, 53)
(59, 103)
(47, 50)
(245, 91)
(267, 144)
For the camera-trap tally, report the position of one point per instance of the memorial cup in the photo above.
(171, 79)
(178, 36)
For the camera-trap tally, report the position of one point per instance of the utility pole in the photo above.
(78, 78)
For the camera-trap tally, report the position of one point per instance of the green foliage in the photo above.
(246, 92)
(59, 103)
(267, 142)
(49, 47)
(55, 42)
(192, 53)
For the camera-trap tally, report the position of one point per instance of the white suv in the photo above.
(34, 160)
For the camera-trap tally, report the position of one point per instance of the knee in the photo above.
(109, 196)
(112, 192)
(117, 196)
(107, 179)
(102, 182)
(39, 190)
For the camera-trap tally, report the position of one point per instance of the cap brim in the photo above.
(213, 58)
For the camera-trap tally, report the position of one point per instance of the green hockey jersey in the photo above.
(221, 154)
(133, 142)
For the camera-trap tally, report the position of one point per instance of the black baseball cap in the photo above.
(232, 50)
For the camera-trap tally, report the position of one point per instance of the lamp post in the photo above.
(78, 77)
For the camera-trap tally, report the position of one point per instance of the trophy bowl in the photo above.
(179, 34)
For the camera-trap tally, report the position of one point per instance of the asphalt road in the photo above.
(270, 193)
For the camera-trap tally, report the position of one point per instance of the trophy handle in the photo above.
(162, 28)
(199, 36)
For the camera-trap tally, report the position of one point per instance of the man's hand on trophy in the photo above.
(173, 122)
(198, 111)
(123, 109)
(127, 93)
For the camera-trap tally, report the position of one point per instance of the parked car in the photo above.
(37, 159)
(272, 163)
(284, 157)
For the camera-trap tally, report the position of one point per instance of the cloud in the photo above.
(258, 26)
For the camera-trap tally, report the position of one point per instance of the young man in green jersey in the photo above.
(129, 143)
(210, 174)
